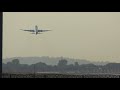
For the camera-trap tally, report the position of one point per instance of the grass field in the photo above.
(52, 75)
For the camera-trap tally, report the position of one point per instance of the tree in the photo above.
(76, 64)
(62, 62)
(16, 61)
(41, 66)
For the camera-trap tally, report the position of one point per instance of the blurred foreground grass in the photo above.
(49, 75)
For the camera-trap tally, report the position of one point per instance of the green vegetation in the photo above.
(62, 67)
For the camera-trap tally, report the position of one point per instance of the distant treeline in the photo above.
(62, 67)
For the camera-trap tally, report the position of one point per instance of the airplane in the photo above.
(36, 30)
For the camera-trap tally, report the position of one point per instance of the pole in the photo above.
(1, 17)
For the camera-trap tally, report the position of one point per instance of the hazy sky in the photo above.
(83, 35)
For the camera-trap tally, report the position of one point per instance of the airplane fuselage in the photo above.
(36, 30)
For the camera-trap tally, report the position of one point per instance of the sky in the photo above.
(94, 36)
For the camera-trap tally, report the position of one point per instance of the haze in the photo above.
(82, 35)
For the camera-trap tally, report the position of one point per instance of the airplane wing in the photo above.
(29, 30)
(43, 30)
